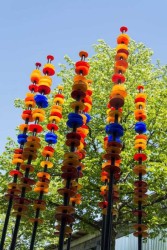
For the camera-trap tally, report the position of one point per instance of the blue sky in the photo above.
(30, 30)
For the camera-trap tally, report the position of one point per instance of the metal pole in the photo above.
(103, 232)
(16, 229)
(109, 213)
(140, 216)
(34, 230)
(6, 223)
(18, 218)
(36, 222)
(69, 243)
(8, 212)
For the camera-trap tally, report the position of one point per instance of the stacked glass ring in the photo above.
(72, 166)
(13, 189)
(42, 186)
(32, 143)
(20, 203)
(112, 142)
(140, 196)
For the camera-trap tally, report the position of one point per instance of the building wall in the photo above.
(92, 242)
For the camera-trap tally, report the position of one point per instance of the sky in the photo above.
(30, 30)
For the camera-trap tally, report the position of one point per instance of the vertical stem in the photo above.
(69, 243)
(34, 230)
(18, 218)
(140, 216)
(62, 231)
(103, 232)
(6, 223)
(109, 213)
(14, 237)
(36, 222)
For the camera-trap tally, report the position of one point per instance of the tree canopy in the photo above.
(141, 71)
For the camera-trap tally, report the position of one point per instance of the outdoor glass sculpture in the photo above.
(29, 143)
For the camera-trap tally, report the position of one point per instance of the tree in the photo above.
(140, 70)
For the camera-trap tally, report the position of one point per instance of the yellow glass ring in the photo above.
(39, 116)
(138, 146)
(141, 95)
(22, 127)
(112, 119)
(17, 160)
(42, 184)
(78, 78)
(35, 76)
(57, 107)
(56, 110)
(41, 189)
(71, 162)
(29, 94)
(139, 112)
(30, 103)
(33, 138)
(120, 92)
(140, 104)
(54, 119)
(104, 188)
(45, 80)
(58, 99)
(140, 141)
(60, 87)
(49, 65)
(77, 104)
(71, 155)
(118, 87)
(40, 111)
(48, 164)
(121, 46)
(43, 175)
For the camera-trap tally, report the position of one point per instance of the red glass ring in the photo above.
(15, 172)
(118, 78)
(140, 156)
(44, 89)
(33, 88)
(35, 128)
(48, 71)
(52, 126)
(50, 57)
(123, 29)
